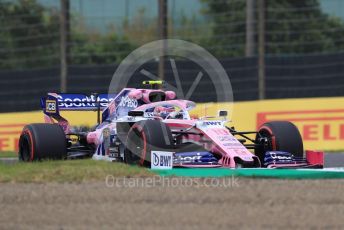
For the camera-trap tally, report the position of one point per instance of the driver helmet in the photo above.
(163, 111)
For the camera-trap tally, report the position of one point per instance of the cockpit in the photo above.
(174, 109)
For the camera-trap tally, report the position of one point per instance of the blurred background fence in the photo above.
(270, 48)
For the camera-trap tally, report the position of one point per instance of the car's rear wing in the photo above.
(53, 102)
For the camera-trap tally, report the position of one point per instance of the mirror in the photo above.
(223, 113)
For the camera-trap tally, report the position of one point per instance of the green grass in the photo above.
(6, 154)
(67, 171)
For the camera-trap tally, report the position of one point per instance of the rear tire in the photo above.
(282, 136)
(42, 141)
(144, 137)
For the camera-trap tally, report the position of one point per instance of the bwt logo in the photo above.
(161, 160)
(212, 123)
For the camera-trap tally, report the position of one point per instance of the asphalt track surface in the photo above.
(334, 160)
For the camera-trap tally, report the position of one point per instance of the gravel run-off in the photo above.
(180, 204)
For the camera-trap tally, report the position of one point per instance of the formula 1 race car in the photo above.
(136, 123)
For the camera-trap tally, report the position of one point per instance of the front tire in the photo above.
(42, 141)
(281, 136)
(144, 137)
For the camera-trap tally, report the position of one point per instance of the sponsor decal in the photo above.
(194, 158)
(189, 159)
(276, 156)
(232, 145)
(131, 118)
(9, 136)
(227, 138)
(50, 106)
(314, 125)
(148, 114)
(212, 123)
(128, 102)
(69, 101)
(242, 152)
(161, 160)
(279, 157)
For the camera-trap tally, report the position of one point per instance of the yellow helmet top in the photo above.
(153, 84)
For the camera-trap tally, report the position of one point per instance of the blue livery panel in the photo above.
(280, 157)
(198, 158)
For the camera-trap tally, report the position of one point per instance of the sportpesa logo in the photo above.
(81, 101)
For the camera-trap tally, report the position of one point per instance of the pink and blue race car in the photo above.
(138, 122)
